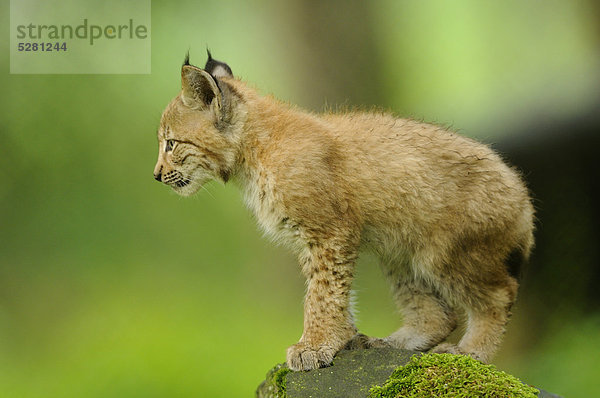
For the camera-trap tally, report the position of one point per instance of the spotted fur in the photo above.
(443, 213)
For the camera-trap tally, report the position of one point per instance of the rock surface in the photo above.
(352, 374)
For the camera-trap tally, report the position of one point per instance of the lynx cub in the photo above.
(443, 213)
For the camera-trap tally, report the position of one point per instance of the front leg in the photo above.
(328, 323)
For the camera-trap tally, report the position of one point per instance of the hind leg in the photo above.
(428, 319)
(486, 323)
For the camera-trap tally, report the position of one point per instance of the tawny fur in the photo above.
(442, 212)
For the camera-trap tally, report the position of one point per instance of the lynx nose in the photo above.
(158, 172)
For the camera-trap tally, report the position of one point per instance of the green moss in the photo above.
(447, 375)
(279, 380)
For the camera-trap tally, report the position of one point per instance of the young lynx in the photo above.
(448, 220)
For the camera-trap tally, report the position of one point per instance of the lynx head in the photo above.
(197, 139)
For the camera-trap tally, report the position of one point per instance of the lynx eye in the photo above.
(169, 145)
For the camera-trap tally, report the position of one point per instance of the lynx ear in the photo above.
(199, 89)
(217, 68)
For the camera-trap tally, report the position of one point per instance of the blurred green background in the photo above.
(113, 286)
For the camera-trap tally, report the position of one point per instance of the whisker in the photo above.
(209, 193)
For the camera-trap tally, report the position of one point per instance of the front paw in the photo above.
(302, 356)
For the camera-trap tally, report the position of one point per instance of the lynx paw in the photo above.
(302, 356)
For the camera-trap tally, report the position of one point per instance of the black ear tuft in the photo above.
(186, 61)
(217, 68)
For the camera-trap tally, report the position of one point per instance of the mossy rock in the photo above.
(447, 375)
(391, 373)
